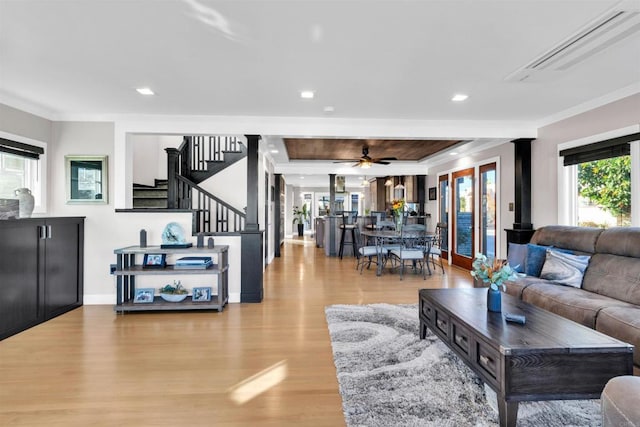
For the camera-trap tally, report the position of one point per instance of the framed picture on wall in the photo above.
(86, 179)
(432, 193)
(340, 184)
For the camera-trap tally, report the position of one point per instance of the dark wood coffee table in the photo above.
(548, 358)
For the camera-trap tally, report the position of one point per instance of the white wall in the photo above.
(544, 150)
(230, 185)
(20, 123)
(149, 157)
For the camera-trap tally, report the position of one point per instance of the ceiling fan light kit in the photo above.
(366, 162)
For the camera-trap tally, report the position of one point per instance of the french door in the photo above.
(488, 217)
(443, 214)
(462, 220)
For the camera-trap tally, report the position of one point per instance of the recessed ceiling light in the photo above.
(453, 153)
(274, 151)
(458, 97)
(144, 91)
(329, 109)
(307, 94)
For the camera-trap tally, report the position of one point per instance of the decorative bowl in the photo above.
(173, 297)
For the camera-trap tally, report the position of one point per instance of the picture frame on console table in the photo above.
(144, 296)
(154, 261)
(201, 294)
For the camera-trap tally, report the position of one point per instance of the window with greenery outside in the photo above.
(604, 190)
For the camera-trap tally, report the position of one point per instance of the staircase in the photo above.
(198, 158)
(150, 197)
(210, 155)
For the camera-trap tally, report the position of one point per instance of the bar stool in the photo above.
(349, 223)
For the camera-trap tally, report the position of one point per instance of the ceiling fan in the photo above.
(365, 161)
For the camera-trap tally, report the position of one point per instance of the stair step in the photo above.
(149, 193)
(149, 203)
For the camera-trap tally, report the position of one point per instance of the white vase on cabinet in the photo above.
(26, 202)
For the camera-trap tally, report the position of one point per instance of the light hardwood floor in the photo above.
(253, 364)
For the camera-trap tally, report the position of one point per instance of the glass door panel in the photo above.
(443, 211)
(488, 210)
(462, 201)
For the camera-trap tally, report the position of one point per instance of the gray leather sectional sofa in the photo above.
(609, 298)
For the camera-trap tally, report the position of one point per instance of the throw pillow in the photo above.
(565, 269)
(536, 254)
(517, 257)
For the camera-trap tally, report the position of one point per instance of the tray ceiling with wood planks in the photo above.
(351, 149)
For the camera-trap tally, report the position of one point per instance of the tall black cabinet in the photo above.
(41, 270)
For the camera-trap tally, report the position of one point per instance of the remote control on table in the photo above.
(515, 318)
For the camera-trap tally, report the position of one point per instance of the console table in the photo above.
(548, 358)
(127, 269)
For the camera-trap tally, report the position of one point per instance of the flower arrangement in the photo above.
(494, 272)
(397, 205)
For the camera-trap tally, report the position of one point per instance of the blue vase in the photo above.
(494, 300)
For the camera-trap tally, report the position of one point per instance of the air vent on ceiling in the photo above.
(603, 32)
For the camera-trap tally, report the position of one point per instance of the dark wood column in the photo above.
(522, 227)
(251, 221)
(173, 169)
(421, 182)
(277, 211)
(251, 239)
(381, 195)
(329, 221)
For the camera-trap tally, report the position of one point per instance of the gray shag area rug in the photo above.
(388, 376)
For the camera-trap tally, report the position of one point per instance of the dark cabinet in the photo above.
(41, 270)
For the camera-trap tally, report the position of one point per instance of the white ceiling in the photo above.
(386, 60)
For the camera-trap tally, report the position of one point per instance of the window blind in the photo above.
(20, 149)
(614, 147)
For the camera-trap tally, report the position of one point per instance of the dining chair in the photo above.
(366, 254)
(438, 244)
(376, 218)
(349, 223)
(413, 247)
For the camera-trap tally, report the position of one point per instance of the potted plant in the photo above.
(299, 217)
(495, 273)
(175, 293)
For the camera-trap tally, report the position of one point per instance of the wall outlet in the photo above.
(511, 207)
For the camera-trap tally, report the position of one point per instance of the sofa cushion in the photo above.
(614, 276)
(574, 304)
(622, 323)
(517, 257)
(536, 256)
(565, 269)
(516, 287)
(621, 402)
(580, 239)
(624, 241)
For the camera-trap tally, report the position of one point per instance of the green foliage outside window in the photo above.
(607, 183)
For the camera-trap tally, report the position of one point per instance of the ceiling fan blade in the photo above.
(382, 162)
(385, 158)
(347, 161)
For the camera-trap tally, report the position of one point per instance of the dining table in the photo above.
(389, 238)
